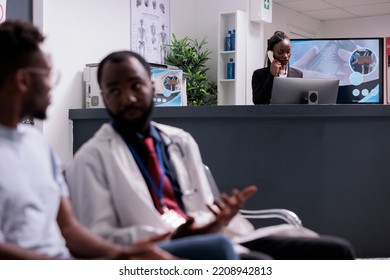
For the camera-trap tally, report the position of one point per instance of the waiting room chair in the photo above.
(286, 215)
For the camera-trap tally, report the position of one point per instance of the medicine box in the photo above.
(169, 87)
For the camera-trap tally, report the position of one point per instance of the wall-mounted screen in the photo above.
(356, 62)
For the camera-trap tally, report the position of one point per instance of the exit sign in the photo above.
(261, 10)
(267, 4)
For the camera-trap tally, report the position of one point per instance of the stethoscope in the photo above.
(169, 146)
(171, 143)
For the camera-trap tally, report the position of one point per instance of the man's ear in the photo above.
(22, 80)
(103, 98)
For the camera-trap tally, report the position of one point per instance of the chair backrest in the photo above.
(283, 214)
(213, 184)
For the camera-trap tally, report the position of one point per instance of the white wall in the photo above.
(255, 54)
(78, 32)
(287, 21)
(364, 27)
(182, 22)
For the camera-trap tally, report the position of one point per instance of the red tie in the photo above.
(155, 172)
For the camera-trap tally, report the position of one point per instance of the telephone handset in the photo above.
(270, 55)
(271, 58)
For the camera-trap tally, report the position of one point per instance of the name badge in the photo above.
(172, 218)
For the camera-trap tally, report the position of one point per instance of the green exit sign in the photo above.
(266, 4)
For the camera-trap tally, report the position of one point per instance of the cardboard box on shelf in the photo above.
(169, 87)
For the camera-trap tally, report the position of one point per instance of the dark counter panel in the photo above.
(328, 163)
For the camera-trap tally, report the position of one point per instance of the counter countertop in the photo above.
(258, 111)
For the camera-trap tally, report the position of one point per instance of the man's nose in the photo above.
(129, 97)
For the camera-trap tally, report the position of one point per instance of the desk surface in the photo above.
(267, 111)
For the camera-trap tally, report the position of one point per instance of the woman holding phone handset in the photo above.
(278, 56)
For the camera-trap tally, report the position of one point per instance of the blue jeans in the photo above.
(201, 247)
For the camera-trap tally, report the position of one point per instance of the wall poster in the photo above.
(150, 29)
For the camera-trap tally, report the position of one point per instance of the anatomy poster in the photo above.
(150, 29)
(3, 9)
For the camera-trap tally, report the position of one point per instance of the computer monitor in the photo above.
(304, 91)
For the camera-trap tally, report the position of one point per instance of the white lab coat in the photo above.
(110, 195)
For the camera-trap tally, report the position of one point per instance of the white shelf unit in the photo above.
(232, 92)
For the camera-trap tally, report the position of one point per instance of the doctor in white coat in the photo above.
(111, 192)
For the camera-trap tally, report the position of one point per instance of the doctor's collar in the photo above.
(152, 131)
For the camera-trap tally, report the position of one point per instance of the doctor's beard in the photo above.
(136, 124)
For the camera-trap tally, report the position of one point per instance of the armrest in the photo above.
(286, 215)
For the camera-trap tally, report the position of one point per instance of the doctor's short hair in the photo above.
(276, 38)
(18, 41)
(117, 57)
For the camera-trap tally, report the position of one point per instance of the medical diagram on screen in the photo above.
(352, 61)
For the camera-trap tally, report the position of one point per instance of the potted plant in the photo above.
(190, 56)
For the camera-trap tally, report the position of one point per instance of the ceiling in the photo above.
(337, 9)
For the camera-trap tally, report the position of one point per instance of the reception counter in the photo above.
(328, 163)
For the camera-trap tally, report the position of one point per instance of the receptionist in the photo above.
(277, 65)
